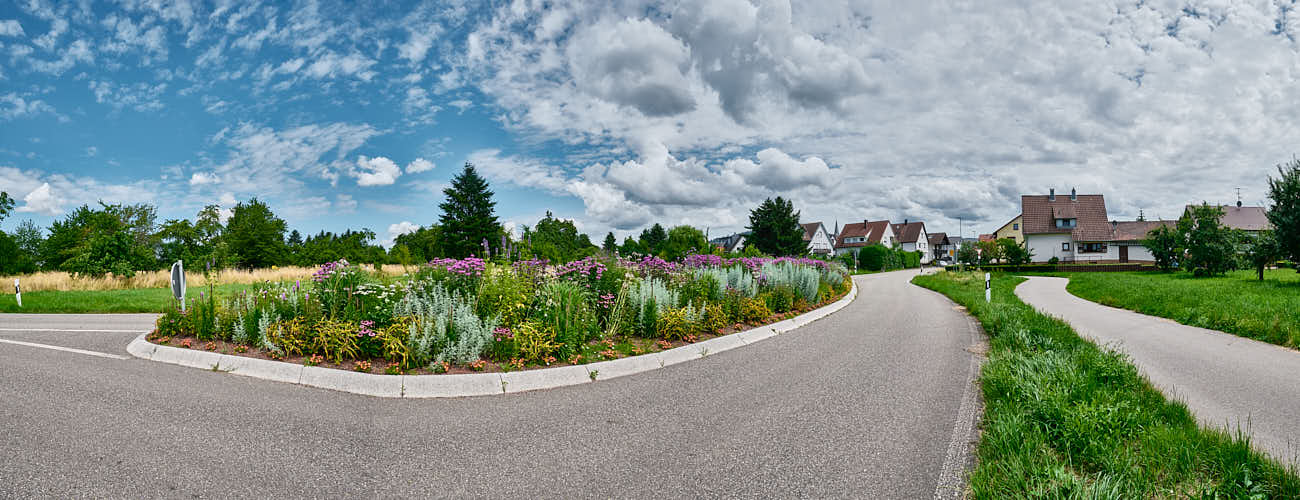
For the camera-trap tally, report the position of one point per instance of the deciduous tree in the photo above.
(255, 235)
(1165, 245)
(1210, 247)
(1285, 212)
(683, 241)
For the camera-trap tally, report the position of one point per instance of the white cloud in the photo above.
(418, 43)
(92, 151)
(10, 27)
(333, 65)
(13, 106)
(265, 160)
(419, 165)
(203, 178)
(398, 229)
(345, 204)
(377, 171)
(42, 201)
(141, 97)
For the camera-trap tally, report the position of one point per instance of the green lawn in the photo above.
(1065, 419)
(1237, 303)
(141, 300)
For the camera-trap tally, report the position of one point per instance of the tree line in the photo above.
(122, 239)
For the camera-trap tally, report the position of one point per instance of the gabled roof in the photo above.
(909, 232)
(1243, 218)
(987, 237)
(1137, 230)
(1038, 214)
(809, 229)
(939, 239)
(873, 231)
(1013, 220)
(730, 242)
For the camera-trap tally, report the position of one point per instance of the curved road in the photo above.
(1227, 381)
(864, 403)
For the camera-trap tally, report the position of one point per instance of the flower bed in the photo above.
(470, 315)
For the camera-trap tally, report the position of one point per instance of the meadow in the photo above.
(1237, 303)
(1065, 419)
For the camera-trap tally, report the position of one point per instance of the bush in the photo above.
(801, 281)
(779, 299)
(873, 257)
(173, 323)
(534, 342)
(701, 288)
(675, 324)
(753, 310)
(714, 319)
(504, 294)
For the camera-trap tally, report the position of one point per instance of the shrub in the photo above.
(172, 323)
(395, 346)
(335, 340)
(873, 257)
(675, 324)
(204, 315)
(535, 343)
(753, 310)
(731, 305)
(714, 319)
(291, 336)
(824, 292)
(444, 327)
(800, 280)
(649, 318)
(701, 288)
(779, 299)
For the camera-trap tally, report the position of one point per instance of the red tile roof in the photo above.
(872, 231)
(939, 239)
(909, 232)
(1243, 218)
(1137, 230)
(986, 237)
(1089, 210)
(809, 229)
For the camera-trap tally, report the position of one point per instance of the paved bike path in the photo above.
(1228, 381)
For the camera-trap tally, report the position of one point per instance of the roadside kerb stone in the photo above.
(261, 368)
(478, 384)
(386, 386)
(451, 386)
(532, 380)
(755, 334)
(615, 368)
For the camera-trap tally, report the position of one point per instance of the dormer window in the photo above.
(1066, 223)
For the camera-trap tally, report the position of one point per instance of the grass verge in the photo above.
(1238, 303)
(1065, 419)
(140, 300)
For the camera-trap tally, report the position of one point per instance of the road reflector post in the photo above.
(18, 293)
(988, 288)
(178, 283)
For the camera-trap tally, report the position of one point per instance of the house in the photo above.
(1070, 228)
(1126, 237)
(913, 238)
(857, 235)
(817, 238)
(1011, 230)
(732, 243)
(987, 237)
(942, 247)
(1252, 220)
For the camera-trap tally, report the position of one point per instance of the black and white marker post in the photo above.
(178, 283)
(18, 293)
(988, 288)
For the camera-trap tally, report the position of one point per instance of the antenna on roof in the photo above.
(1238, 197)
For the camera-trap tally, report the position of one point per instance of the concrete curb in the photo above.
(477, 384)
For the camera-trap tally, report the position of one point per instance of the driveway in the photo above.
(1227, 381)
(875, 401)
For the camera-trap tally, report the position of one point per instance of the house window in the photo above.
(1065, 223)
(1065, 247)
(1092, 248)
(1015, 227)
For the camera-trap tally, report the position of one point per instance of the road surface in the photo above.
(864, 403)
(1227, 381)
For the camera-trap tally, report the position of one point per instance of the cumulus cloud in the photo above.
(419, 165)
(42, 201)
(266, 160)
(377, 171)
(632, 62)
(14, 106)
(203, 178)
(398, 229)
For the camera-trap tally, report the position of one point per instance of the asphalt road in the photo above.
(1227, 381)
(863, 404)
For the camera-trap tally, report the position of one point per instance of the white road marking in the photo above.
(66, 349)
(69, 330)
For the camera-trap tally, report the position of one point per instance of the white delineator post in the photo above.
(988, 288)
(178, 283)
(18, 293)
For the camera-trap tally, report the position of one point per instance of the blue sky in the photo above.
(620, 114)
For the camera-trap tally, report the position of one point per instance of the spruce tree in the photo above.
(1285, 212)
(467, 215)
(775, 230)
(652, 239)
(611, 244)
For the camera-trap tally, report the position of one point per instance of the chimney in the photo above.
(904, 222)
(1073, 195)
(1051, 194)
(865, 222)
(1238, 203)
